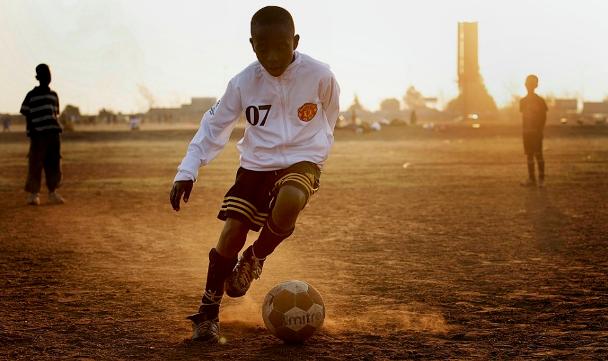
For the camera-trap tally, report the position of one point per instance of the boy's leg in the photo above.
(529, 149)
(52, 167)
(221, 262)
(531, 173)
(35, 164)
(291, 193)
(281, 223)
(233, 238)
(540, 160)
(531, 176)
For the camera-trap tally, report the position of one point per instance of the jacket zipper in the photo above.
(283, 122)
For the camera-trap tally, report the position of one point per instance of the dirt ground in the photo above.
(422, 243)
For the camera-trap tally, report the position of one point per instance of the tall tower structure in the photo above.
(468, 63)
(473, 97)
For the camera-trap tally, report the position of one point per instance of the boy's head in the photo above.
(273, 38)
(43, 74)
(531, 83)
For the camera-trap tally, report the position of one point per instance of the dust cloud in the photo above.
(384, 320)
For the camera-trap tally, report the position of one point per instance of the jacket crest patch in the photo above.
(307, 111)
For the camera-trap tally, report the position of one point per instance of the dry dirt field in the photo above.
(422, 243)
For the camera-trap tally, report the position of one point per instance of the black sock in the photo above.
(541, 170)
(269, 239)
(219, 269)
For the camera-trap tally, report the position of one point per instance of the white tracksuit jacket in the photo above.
(290, 118)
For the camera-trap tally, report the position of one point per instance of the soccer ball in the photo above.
(293, 311)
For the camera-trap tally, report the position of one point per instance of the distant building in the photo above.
(192, 112)
(590, 108)
(597, 111)
(562, 109)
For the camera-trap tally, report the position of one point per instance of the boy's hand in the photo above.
(180, 188)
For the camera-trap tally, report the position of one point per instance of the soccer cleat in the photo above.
(248, 268)
(56, 198)
(529, 183)
(33, 199)
(203, 329)
(206, 323)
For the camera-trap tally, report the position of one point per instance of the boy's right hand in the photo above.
(180, 188)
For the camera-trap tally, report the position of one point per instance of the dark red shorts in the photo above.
(251, 197)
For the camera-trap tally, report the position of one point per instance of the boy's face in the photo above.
(531, 83)
(44, 76)
(274, 45)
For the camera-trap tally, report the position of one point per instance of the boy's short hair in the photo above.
(533, 78)
(42, 69)
(273, 15)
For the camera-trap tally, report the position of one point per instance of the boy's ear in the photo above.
(251, 42)
(296, 40)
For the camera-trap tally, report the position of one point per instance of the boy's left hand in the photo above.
(180, 188)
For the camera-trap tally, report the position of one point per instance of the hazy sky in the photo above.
(118, 53)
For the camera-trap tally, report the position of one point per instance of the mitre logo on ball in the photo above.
(293, 311)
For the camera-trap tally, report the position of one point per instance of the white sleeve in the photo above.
(212, 135)
(330, 98)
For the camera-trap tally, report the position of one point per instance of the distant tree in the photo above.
(356, 105)
(71, 110)
(413, 99)
(69, 116)
(107, 116)
(356, 110)
(390, 105)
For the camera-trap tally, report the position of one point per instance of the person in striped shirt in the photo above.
(41, 108)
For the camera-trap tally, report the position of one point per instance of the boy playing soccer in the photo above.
(291, 105)
(534, 114)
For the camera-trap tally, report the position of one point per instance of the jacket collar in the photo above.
(288, 73)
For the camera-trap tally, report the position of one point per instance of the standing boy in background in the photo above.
(534, 114)
(290, 101)
(6, 123)
(41, 108)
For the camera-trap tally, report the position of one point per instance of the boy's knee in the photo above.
(290, 201)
